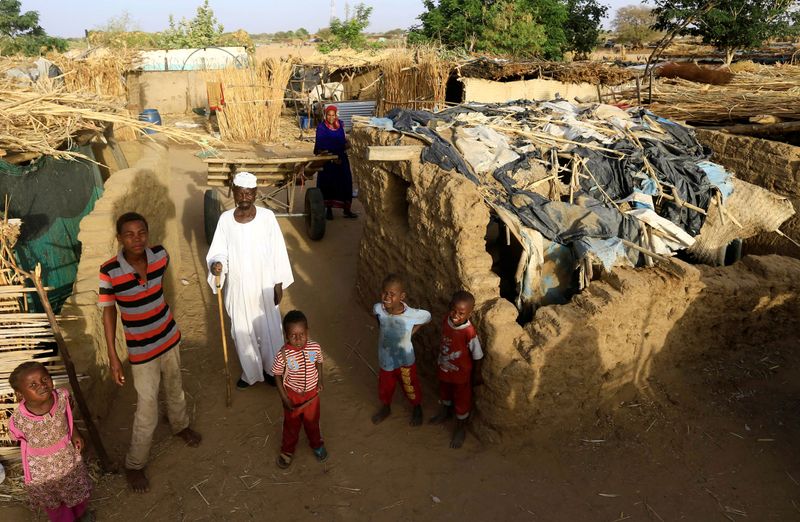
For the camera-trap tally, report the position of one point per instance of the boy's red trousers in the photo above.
(307, 416)
(407, 375)
(458, 395)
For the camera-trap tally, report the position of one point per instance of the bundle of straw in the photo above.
(688, 101)
(254, 99)
(413, 79)
(46, 121)
(103, 75)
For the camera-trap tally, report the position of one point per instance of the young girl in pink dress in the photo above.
(56, 479)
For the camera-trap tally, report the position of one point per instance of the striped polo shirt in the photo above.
(150, 329)
(298, 366)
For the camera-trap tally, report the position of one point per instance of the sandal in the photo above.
(321, 453)
(284, 460)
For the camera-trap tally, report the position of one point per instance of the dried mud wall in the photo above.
(422, 223)
(143, 188)
(772, 165)
(572, 360)
(487, 91)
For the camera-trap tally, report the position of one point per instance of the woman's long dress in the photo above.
(335, 179)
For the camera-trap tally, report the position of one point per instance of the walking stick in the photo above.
(224, 343)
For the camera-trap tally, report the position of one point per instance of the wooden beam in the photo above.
(77, 393)
(756, 128)
(393, 153)
(273, 161)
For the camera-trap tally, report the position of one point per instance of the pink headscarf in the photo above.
(335, 110)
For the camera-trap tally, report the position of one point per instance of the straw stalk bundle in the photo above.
(688, 101)
(253, 100)
(104, 75)
(46, 122)
(414, 79)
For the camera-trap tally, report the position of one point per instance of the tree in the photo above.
(201, 31)
(513, 31)
(21, 32)
(348, 33)
(633, 25)
(453, 23)
(583, 26)
(729, 25)
(119, 24)
(514, 27)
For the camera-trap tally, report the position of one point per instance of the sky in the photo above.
(69, 18)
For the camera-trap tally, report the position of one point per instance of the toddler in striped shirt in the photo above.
(298, 372)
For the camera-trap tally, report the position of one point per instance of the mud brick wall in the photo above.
(143, 188)
(571, 361)
(769, 164)
(427, 225)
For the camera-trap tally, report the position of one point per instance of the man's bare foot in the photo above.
(444, 413)
(190, 437)
(381, 414)
(137, 480)
(459, 434)
(416, 416)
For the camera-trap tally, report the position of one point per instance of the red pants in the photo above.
(308, 416)
(457, 394)
(407, 375)
(67, 514)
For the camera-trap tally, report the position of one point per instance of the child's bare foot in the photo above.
(190, 437)
(381, 414)
(444, 413)
(416, 416)
(137, 480)
(459, 434)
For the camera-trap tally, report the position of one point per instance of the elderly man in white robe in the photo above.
(249, 254)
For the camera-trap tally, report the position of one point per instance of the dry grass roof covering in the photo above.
(596, 73)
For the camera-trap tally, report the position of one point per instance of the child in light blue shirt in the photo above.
(398, 322)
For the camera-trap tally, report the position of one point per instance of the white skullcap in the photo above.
(245, 180)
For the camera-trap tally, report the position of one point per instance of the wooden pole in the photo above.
(224, 342)
(94, 435)
(638, 91)
(757, 128)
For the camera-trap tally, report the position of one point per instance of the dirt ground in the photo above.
(722, 445)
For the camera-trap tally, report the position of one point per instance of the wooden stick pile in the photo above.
(254, 99)
(414, 79)
(36, 121)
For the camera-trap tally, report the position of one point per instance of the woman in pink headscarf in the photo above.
(335, 179)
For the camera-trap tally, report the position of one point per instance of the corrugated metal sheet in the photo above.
(348, 109)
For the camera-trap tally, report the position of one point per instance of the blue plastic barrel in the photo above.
(150, 116)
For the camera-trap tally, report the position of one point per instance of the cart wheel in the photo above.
(315, 214)
(212, 210)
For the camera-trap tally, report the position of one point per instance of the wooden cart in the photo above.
(278, 179)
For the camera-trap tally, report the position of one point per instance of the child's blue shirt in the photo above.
(394, 342)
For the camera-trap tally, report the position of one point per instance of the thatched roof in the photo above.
(596, 73)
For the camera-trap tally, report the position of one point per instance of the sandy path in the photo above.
(644, 467)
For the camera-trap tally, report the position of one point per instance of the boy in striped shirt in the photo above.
(298, 371)
(131, 280)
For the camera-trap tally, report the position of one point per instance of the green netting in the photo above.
(51, 196)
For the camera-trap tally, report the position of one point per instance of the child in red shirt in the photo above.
(459, 362)
(298, 372)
